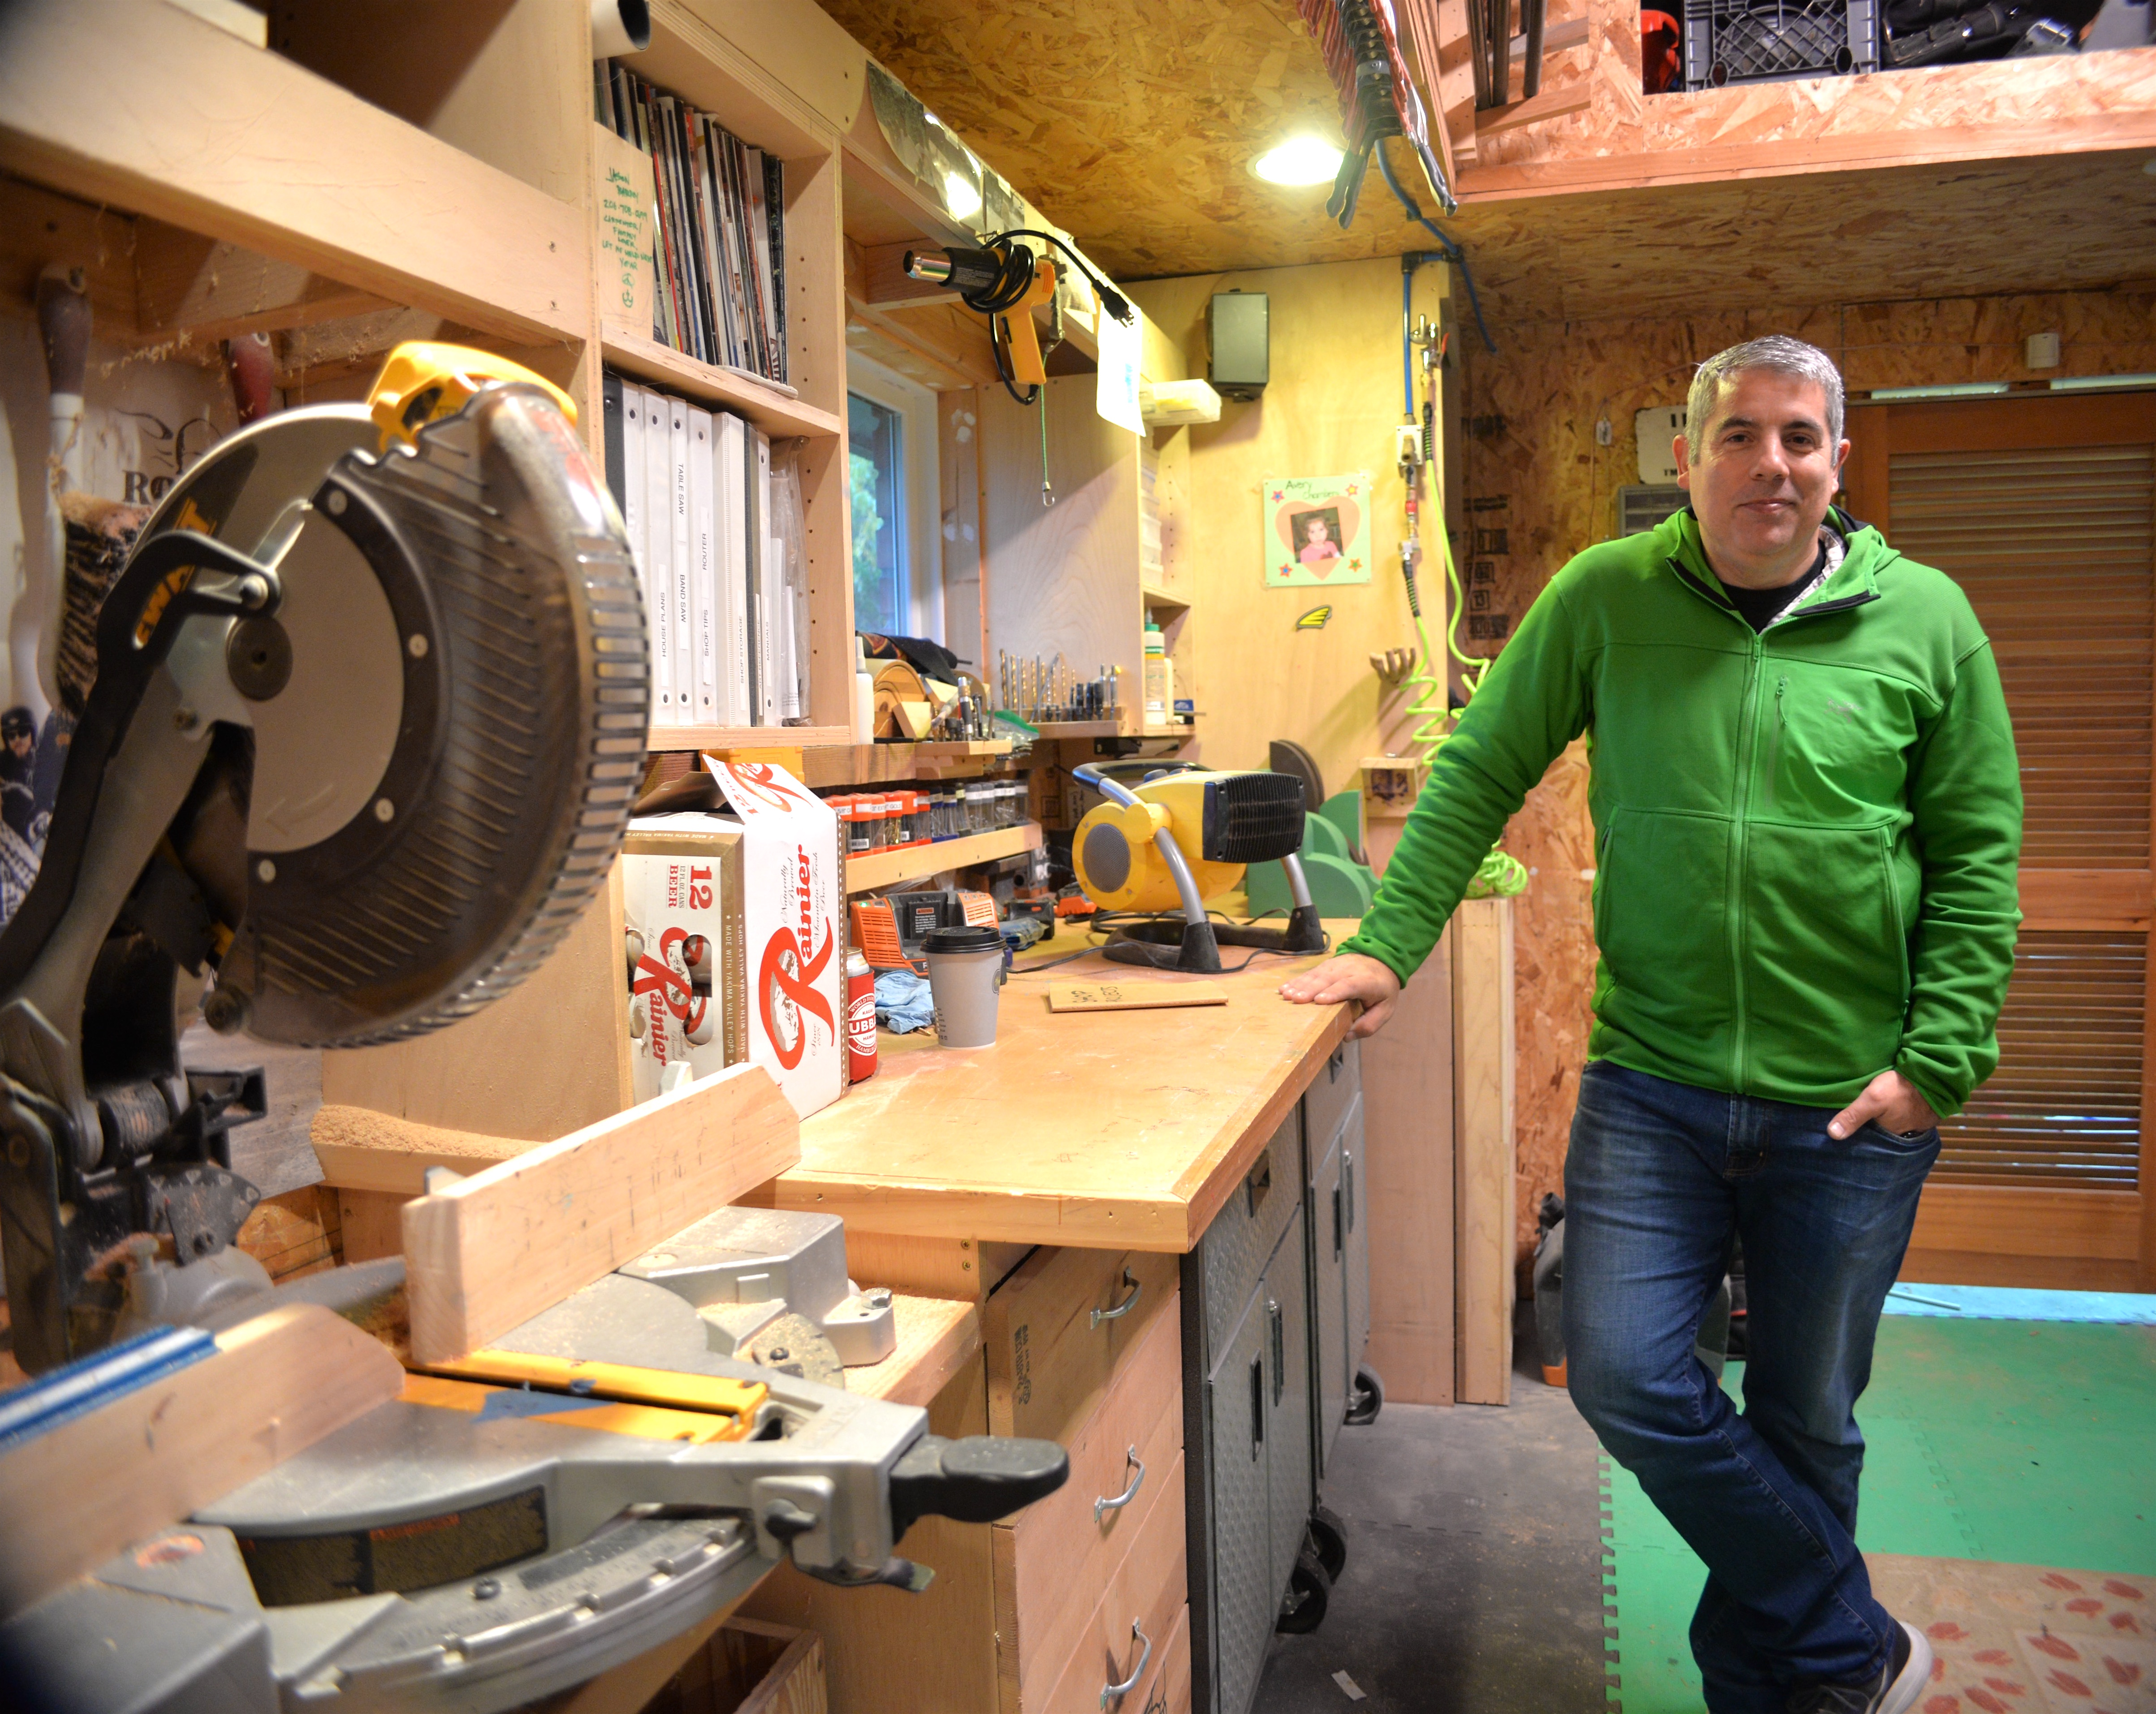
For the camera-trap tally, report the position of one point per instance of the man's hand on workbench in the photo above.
(1350, 977)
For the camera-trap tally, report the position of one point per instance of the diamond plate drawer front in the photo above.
(1355, 1202)
(1325, 1102)
(1244, 1233)
(1242, 1597)
(1291, 1477)
(1328, 1296)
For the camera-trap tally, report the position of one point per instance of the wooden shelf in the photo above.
(1078, 728)
(1158, 596)
(891, 868)
(874, 764)
(746, 737)
(768, 408)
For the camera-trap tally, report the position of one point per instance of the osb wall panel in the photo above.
(1330, 407)
(1541, 477)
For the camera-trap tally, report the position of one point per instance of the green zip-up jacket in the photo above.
(1806, 837)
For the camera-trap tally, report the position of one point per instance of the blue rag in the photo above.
(902, 1002)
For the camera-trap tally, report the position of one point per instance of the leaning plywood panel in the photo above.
(1482, 1148)
(486, 1254)
(1407, 1156)
(78, 1494)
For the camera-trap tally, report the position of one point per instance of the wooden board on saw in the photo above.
(1115, 1130)
(485, 1255)
(78, 1494)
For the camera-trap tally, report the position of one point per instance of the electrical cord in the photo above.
(1447, 247)
(1105, 919)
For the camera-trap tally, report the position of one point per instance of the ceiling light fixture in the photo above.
(961, 196)
(1299, 160)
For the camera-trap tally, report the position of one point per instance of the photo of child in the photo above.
(1317, 536)
(1317, 530)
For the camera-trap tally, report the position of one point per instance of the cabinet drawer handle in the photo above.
(1280, 1348)
(1347, 1182)
(1126, 1306)
(1110, 1692)
(1131, 1461)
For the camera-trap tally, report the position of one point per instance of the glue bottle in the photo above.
(1159, 676)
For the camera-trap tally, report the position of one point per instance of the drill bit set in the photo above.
(1039, 690)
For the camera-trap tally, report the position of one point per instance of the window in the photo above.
(875, 451)
(890, 445)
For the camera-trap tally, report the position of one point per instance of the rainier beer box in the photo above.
(734, 925)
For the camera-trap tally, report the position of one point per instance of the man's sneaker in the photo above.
(1894, 1690)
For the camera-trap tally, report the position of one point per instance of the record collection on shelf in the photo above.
(719, 245)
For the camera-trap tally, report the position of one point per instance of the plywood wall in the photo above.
(1537, 472)
(1333, 400)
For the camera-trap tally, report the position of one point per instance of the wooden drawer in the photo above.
(1056, 1557)
(1150, 1586)
(1165, 1689)
(1050, 1361)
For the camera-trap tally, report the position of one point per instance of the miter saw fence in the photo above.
(370, 704)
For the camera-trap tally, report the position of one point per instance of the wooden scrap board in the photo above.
(1123, 994)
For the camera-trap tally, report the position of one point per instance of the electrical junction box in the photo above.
(1656, 427)
(1238, 344)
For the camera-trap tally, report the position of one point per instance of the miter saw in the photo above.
(1134, 854)
(370, 709)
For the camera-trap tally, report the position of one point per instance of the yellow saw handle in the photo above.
(423, 381)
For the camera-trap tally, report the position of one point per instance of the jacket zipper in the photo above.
(1739, 851)
(1775, 740)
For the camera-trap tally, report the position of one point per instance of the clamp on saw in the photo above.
(371, 705)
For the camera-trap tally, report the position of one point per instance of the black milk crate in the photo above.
(1760, 41)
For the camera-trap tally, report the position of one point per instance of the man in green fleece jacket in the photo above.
(1807, 816)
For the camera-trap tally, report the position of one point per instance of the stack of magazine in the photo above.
(719, 243)
(719, 537)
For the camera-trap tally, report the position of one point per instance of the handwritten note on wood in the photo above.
(1122, 995)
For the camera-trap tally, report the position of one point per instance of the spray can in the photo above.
(860, 1019)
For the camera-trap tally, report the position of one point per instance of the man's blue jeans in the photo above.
(1659, 1178)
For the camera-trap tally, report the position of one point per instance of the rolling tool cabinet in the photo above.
(1275, 1313)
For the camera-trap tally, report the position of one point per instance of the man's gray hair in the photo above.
(1777, 352)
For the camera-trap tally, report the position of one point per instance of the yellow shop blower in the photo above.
(1178, 834)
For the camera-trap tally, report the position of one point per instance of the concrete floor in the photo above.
(1473, 1582)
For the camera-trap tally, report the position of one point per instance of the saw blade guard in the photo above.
(441, 785)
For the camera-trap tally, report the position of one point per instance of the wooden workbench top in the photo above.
(1108, 1130)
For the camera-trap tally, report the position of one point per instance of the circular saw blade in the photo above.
(444, 780)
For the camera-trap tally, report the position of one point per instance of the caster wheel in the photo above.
(1367, 1399)
(1328, 1539)
(1308, 1591)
